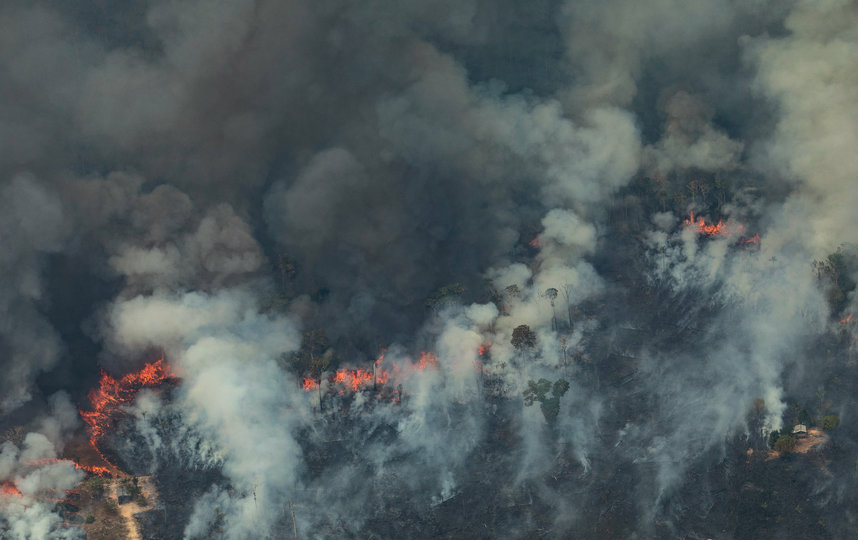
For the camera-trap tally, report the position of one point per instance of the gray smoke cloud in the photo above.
(218, 181)
(31, 467)
(32, 228)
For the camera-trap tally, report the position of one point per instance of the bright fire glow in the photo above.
(110, 395)
(705, 229)
(753, 240)
(846, 319)
(353, 380)
(92, 469)
(427, 359)
(9, 488)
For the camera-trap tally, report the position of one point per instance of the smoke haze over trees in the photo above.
(367, 235)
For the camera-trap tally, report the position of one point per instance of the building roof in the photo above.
(799, 428)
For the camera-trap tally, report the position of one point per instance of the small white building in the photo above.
(799, 431)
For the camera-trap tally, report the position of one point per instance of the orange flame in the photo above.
(353, 378)
(846, 319)
(110, 395)
(704, 229)
(9, 488)
(357, 379)
(752, 241)
(427, 359)
(535, 242)
(484, 349)
(92, 469)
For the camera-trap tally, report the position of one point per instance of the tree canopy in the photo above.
(523, 338)
(538, 392)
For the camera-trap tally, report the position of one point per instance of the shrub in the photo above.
(90, 519)
(773, 437)
(95, 483)
(785, 444)
(111, 507)
(830, 422)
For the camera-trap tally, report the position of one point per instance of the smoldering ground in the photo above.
(222, 181)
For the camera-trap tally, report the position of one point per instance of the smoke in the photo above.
(814, 136)
(32, 228)
(266, 192)
(32, 475)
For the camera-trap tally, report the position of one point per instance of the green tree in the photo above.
(538, 392)
(830, 422)
(837, 269)
(523, 337)
(561, 386)
(551, 294)
(445, 294)
(785, 444)
(773, 437)
(512, 291)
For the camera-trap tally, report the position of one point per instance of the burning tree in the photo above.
(110, 395)
(312, 359)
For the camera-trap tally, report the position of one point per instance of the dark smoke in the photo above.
(226, 182)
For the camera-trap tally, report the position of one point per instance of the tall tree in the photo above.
(523, 338)
(551, 294)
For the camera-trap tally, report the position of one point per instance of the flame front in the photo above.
(9, 488)
(706, 229)
(112, 393)
(353, 380)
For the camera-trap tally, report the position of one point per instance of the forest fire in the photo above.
(705, 229)
(91, 469)
(427, 359)
(356, 379)
(353, 378)
(845, 320)
(750, 241)
(9, 488)
(110, 395)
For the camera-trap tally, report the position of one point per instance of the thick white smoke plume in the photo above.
(33, 479)
(476, 268)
